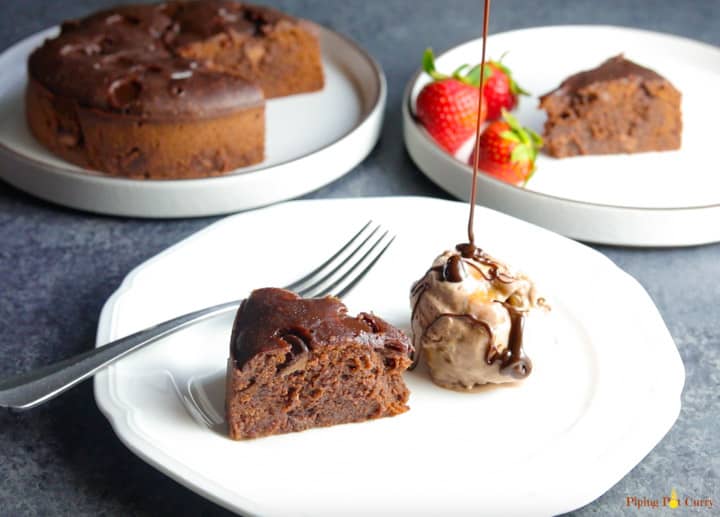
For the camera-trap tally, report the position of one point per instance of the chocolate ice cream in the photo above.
(468, 313)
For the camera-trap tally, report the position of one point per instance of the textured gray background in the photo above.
(58, 266)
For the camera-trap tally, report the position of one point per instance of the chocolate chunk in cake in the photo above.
(618, 107)
(300, 363)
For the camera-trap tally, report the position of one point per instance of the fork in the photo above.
(338, 275)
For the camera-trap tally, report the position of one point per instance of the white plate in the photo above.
(649, 199)
(605, 388)
(311, 140)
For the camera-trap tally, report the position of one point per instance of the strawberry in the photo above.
(448, 106)
(507, 150)
(500, 89)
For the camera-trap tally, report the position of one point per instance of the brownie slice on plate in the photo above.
(299, 363)
(618, 107)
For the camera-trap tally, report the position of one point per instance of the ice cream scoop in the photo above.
(468, 314)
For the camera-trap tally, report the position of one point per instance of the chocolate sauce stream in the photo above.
(513, 361)
(471, 219)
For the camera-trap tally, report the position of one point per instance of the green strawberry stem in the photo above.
(528, 141)
(472, 77)
(458, 70)
(428, 65)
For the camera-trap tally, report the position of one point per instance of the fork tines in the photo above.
(345, 268)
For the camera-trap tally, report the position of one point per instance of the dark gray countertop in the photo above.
(58, 266)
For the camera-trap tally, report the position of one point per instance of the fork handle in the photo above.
(33, 388)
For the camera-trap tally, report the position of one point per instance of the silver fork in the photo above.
(338, 275)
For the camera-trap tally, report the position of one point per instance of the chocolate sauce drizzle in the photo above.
(470, 249)
(513, 361)
(493, 273)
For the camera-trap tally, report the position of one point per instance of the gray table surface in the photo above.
(58, 266)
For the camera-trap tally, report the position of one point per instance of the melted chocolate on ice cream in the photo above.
(513, 361)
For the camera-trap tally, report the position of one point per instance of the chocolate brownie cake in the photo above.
(618, 107)
(299, 363)
(167, 91)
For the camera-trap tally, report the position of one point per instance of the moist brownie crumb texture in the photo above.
(618, 107)
(300, 363)
(173, 90)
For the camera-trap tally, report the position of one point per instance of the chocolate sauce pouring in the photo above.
(471, 219)
(513, 361)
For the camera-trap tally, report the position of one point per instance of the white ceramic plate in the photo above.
(606, 384)
(311, 140)
(649, 199)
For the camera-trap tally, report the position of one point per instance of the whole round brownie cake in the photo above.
(168, 91)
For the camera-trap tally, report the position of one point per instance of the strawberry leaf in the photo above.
(457, 73)
(522, 153)
(511, 120)
(473, 76)
(501, 67)
(510, 135)
(516, 89)
(428, 65)
(428, 61)
(528, 141)
(489, 71)
(536, 139)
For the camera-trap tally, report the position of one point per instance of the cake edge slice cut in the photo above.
(617, 107)
(288, 372)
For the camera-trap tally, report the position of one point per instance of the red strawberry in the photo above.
(500, 90)
(507, 150)
(448, 107)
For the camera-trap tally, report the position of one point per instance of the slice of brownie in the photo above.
(299, 363)
(618, 107)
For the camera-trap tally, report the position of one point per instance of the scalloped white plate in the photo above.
(605, 388)
(667, 198)
(311, 140)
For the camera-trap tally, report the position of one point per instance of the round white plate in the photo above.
(311, 140)
(605, 388)
(667, 198)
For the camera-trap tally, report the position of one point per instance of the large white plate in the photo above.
(606, 385)
(311, 140)
(648, 199)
